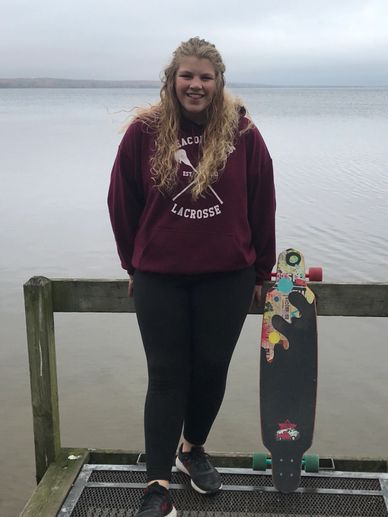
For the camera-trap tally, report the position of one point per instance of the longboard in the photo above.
(288, 370)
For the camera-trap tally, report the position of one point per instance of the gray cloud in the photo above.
(265, 41)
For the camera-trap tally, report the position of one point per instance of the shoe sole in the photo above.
(172, 513)
(182, 468)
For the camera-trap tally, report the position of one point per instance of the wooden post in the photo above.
(43, 371)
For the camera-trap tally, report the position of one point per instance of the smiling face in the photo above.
(195, 86)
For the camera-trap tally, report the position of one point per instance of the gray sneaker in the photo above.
(204, 477)
(156, 502)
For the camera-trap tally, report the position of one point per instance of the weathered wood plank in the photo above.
(43, 371)
(79, 295)
(49, 495)
(369, 300)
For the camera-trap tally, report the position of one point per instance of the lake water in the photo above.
(330, 153)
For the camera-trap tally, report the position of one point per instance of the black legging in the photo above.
(189, 325)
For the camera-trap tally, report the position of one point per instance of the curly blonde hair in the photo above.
(220, 131)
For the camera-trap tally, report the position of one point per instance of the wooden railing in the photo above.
(44, 297)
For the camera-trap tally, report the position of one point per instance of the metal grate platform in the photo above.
(116, 491)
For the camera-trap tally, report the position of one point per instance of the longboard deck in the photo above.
(288, 370)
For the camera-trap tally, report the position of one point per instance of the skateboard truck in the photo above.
(262, 461)
(314, 274)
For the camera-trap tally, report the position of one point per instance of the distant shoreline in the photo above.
(51, 82)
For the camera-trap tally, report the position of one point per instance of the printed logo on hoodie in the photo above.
(190, 213)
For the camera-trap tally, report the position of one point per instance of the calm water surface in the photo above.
(330, 154)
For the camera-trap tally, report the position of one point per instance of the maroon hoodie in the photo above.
(229, 228)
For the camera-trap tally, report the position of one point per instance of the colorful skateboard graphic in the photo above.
(290, 276)
(288, 369)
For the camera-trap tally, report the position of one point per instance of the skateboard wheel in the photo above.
(311, 463)
(315, 274)
(260, 460)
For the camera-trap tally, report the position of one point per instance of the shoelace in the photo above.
(200, 457)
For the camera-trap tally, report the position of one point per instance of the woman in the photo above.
(192, 207)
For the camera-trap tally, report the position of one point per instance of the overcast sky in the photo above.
(286, 42)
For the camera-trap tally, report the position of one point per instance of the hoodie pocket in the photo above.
(172, 251)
